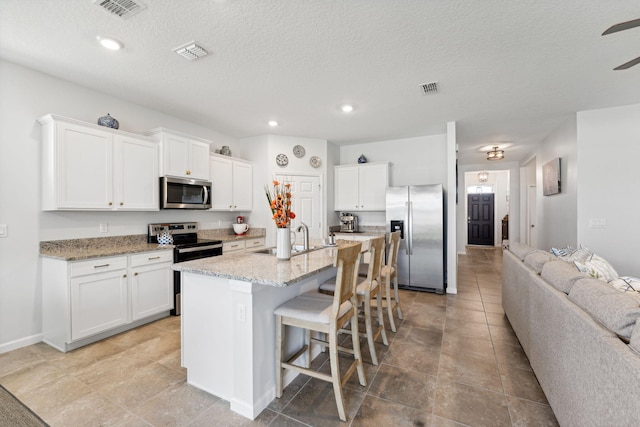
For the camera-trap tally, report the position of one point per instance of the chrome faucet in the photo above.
(305, 235)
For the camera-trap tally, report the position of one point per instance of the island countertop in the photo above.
(262, 269)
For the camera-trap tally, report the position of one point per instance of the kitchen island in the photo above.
(228, 326)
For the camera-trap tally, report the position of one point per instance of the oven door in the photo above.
(182, 193)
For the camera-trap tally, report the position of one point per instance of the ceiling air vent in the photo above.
(124, 9)
(191, 51)
(430, 88)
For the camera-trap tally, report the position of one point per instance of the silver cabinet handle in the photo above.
(154, 257)
(101, 266)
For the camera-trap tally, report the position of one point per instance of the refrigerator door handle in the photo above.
(406, 226)
(410, 234)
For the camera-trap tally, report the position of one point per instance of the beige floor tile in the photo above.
(512, 355)
(493, 308)
(414, 357)
(90, 410)
(135, 336)
(527, 413)
(47, 399)
(220, 414)
(380, 412)
(469, 295)
(494, 299)
(465, 369)
(31, 376)
(403, 386)
(466, 304)
(466, 315)
(471, 406)
(173, 360)
(467, 329)
(85, 356)
(521, 383)
(17, 359)
(456, 344)
(115, 369)
(178, 405)
(498, 320)
(140, 385)
(170, 323)
(315, 404)
(159, 346)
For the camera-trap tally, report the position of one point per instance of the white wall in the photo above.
(557, 214)
(27, 95)
(608, 153)
(413, 161)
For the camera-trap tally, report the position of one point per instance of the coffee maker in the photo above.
(348, 223)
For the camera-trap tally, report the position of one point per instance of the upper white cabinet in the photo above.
(361, 187)
(232, 184)
(89, 167)
(182, 155)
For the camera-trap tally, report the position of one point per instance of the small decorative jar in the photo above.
(362, 159)
(225, 151)
(165, 237)
(108, 121)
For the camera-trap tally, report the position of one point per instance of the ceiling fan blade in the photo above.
(628, 64)
(622, 26)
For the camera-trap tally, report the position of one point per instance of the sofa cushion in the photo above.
(561, 275)
(521, 251)
(598, 268)
(617, 311)
(634, 342)
(537, 259)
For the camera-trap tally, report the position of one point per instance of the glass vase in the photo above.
(283, 243)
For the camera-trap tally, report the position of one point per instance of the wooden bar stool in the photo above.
(327, 316)
(388, 275)
(365, 291)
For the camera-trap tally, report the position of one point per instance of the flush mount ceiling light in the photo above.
(483, 176)
(346, 108)
(273, 123)
(110, 43)
(495, 154)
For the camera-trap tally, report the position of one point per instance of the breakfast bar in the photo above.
(228, 325)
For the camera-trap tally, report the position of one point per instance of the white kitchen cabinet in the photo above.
(361, 187)
(182, 155)
(232, 184)
(99, 301)
(151, 284)
(85, 301)
(89, 167)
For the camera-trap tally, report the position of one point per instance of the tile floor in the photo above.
(454, 361)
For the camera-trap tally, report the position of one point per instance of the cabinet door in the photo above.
(346, 188)
(98, 302)
(222, 187)
(199, 160)
(373, 180)
(136, 174)
(151, 290)
(84, 168)
(176, 153)
(242, 186)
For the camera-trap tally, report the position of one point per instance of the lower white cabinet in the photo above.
(151, 284)
(85, 301)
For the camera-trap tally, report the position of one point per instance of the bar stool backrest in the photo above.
(377, 256)
(347, 261)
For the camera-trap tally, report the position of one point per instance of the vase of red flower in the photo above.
(279, 197)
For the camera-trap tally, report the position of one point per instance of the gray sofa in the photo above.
(580, 334)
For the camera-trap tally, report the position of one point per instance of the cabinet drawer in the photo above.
(236, 245)
(254, 243)
(148, 258)
(98, 265)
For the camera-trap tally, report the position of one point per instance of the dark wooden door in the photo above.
(480, 219)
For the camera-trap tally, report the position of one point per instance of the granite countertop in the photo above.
(262, 269)
(98, 247)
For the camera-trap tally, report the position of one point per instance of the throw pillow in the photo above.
(598, 268)
(561, 252)
(626, 284)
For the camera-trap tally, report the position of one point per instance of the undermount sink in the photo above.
(295, 250)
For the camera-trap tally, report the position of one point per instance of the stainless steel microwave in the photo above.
(184, 193)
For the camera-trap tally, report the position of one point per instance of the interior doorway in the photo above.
(498, 183)
(306, 203)
(481, 219)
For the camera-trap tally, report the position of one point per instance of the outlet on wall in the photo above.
(104, 228)
(598, 223)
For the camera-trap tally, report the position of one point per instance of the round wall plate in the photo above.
(315, 161)
(282, 160)
(298, 151)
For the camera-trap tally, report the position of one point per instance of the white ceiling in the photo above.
(509, 71)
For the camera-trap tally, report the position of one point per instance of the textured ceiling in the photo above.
(509, 72)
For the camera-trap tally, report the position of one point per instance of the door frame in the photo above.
(532, 214)
(492, 222)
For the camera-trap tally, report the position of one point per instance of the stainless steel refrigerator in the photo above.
(418, 212)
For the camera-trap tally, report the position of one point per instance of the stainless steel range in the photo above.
(187, 246)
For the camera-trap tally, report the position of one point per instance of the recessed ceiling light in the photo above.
(110, 43)
(346, 108)
(273, 123)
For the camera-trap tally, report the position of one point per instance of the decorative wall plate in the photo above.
(315, 161)
(298, 151)
(282, 160)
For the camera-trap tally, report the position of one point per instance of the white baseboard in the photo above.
(22, 342)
